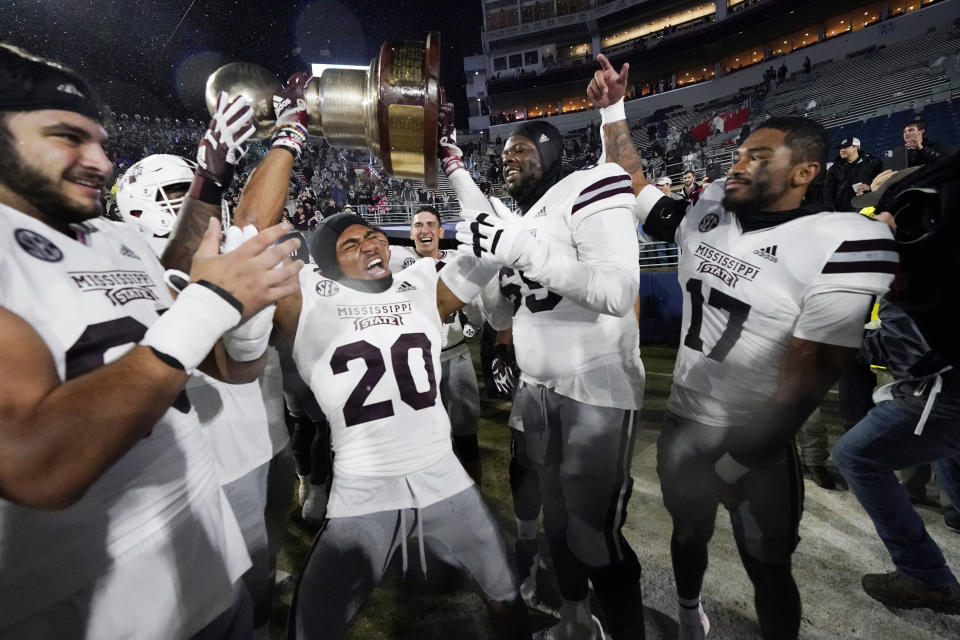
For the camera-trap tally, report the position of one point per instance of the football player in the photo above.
(570, 268)
(234, 418)
(113, 523)
(150, 192)
(458, 381)
(368, 345)
(775, 297)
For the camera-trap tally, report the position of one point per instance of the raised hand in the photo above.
(290, 105)
(222, 145)
(450, 155)
(608, 85)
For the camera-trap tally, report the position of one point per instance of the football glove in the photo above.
(222, 146)
(450, 155)
(497, 239)
(503, 368)
(290, 108)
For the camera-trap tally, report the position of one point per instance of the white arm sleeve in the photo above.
(613, 113)
(604, 275)
(469, 193)
(466, 276)
(834, 317)
(496, 307)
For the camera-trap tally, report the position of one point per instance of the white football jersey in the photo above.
(555, 338)
(91, 300)
(451, 329)
(744, 292)
(373, 362)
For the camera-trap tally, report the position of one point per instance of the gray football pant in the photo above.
(582, 454)
(765, 505)
(350, 556)
(460, 393)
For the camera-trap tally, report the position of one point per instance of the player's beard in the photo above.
(761, 195)
(38, 189)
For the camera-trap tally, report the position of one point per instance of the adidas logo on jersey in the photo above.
(405, 286)
(769, 253)
(128, 252)
(541, 213)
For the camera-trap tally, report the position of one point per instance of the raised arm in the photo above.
(601, 274)
(451, 160)
(266, 190)
(220, 149)
(606, 90)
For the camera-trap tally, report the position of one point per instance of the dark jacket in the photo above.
(930, 152)
(838, 185)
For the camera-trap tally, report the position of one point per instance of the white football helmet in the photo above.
(144, 192)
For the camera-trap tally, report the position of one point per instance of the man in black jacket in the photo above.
(850, 175)
(919, 151)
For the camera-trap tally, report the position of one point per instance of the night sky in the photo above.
(142, 62)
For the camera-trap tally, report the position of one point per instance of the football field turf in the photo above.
(838, 544)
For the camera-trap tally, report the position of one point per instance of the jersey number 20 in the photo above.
(737, 310)
(355, 411)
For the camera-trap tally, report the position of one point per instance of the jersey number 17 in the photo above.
(737, 310)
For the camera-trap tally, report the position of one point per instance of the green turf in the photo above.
(443, 606)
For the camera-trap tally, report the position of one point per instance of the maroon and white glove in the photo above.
(290, 108)
(451, 156)
(222, 147)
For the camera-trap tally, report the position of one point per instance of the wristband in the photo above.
(291, 137)
(248, 341)
(189, 329)
(612, 113)
(449, 164)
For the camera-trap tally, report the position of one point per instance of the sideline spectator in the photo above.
(919, 151)
(850, 176)
(690, 190)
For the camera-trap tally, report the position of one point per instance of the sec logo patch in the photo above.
(327, 288)
(38, 246)
(710, 221)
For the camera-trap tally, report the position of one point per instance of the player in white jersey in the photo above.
(368, 346)
(458, 381)
(111, 517)
(775, 297)
(570, 269)
(234, 419)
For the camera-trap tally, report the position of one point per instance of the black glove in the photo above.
(504, 368)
